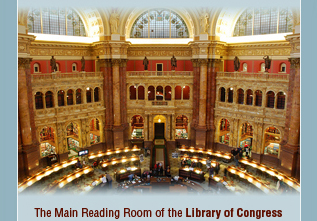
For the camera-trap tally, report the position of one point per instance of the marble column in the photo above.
(123, 100)
(201, 129)
(195, 101)
(30, 145)
(118, 130)
(289, 151)
(105, 68)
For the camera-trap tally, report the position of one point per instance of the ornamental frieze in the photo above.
(159, 51)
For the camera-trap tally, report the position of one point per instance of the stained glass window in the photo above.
(260, 21)
(159, 23)
(56, 21)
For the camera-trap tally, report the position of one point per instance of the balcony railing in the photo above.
(159, 73)
(253, 76)
(64, 76)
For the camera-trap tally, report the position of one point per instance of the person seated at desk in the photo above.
(95, 164)
(189, 162)
(168, 171)
(78, 164)
(131, 176)
(193, 164)
(161, 170)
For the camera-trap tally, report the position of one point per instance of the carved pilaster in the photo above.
(24, 63)
(295, 63)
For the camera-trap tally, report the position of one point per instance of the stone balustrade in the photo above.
(64, 76)
(253, 76)
(158, 73)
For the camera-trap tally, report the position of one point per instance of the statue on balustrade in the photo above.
(236, 63)
(173, 63)
(83, 62)
(53, 64)
(267, 61)
(145, 63)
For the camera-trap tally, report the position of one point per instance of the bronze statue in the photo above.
(53, 64)
(83, 63)
(236, 63)
(173, 63)
(267, 61)
(145, 63)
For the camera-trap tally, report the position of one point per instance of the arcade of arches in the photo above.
(110, 100)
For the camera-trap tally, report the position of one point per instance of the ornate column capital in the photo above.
(116, 62)
(105, 63)
(195, 63)
(123, 63)
(295, 62)
(24, 63)
(203, 62)
(213, 62)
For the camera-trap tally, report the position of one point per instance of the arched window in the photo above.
(222, 94)
(151, 93)
(246, 135)
(47, 141)
(181, 127)
(132, 92)
(245, 67)
(78, 96)
(36, 68)
(49, 99)
(178, 92)
(73, 141)
(224, 131)
(258, 98)
(249, 97)
(38, 100)
(270, 98)
(61, 97)
(280, 100)
(168, 93)
(56, 21)
(240, 96)
(262, 21)
(159, 23)
(94, 130)
(96, 94)
(137, 127)
(283, 68)
(141, 93)
(262, 67)
(70, 98)
(230, 95)
(89, 95)
(159, 93)
(186, 91)
(74, 67)
(272, 139)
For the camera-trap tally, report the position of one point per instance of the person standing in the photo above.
(109, 180)
(217, 168)
(211, 171)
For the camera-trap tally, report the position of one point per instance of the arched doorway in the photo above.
(159, 126)
(224, 131)
(181, 127)
(73, 141)
(47, 141)
(94, 131)
(246, 135)
(272, 139)
(137, 127)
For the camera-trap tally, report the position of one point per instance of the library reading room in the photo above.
(146, 100)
